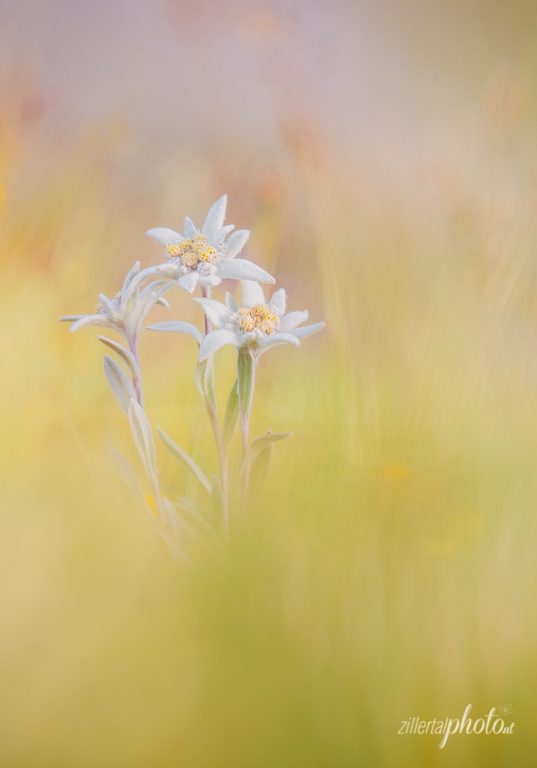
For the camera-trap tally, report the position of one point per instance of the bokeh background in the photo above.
(383, 155)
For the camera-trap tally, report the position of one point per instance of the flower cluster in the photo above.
(198, 259)
(204, 257)
(255, 324)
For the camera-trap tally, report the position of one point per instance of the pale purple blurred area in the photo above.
(295, 108)
(389, 86)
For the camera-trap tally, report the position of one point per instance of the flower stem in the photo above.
(206, 293)
(246, 364)
(246, 384)
(210, 404)
(136, 376)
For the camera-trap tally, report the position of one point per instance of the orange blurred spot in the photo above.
(396, 472)
(507, 98)
(262, 26)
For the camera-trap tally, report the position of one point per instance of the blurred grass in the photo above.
(388, 568)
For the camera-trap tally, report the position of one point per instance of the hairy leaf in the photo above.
(143, 439)
(264, 441)
(204, 380)
(119, 383)
(122, 351)
(177, 326)
(187, 460)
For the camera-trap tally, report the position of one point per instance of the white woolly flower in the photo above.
(255, 324)
(126, 311)
(205, 257)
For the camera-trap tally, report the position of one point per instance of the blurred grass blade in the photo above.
(217, 503)
(195, 514)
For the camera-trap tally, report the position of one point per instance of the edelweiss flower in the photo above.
(205, 257)
(256, 323)
(126, 311)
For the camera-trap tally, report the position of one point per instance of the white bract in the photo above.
(126, 311)
(204, 257)
(256, 323)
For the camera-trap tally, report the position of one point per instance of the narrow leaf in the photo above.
(195, 514)
(262, 442)
(177, 326)
(122, 351)
(119, 383)
(187, 460)
(143, 439)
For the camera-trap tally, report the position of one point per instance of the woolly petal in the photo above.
(277, 302)
(165, 236)
(189, 281)
(236, 242)
(151, 294)
(215, 340)
(177, 326)
(153, 290)
(251, 293)
(231, 304)
(169, 270)
(189, 229)
(138, 279)
(241, 269)
(215, 312)
(133, 271)
(214, 220)
(210, 280)
(107, 304)
(277, 338)
(307, 330)
(290, 321)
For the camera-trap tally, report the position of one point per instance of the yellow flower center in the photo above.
(193, 251)
(258, 317)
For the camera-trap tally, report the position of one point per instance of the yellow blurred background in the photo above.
(383, 155)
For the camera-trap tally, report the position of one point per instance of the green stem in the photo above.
(246, 364)
(210, 404)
